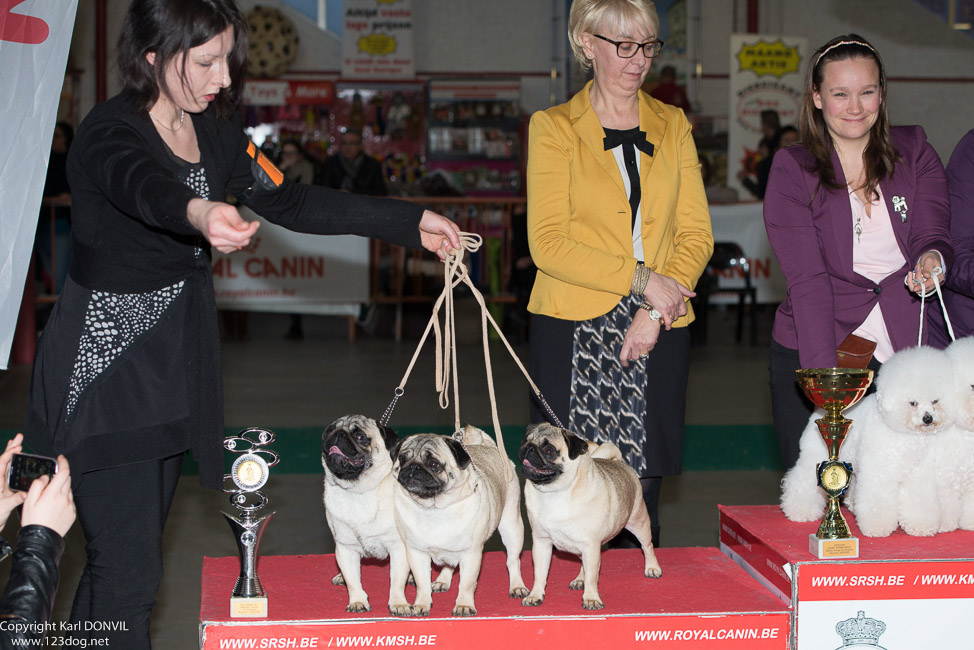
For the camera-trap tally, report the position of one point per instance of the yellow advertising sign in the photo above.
(766, 58)
(377, 44)
(386, 2)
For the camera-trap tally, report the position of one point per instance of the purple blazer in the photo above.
(810, 230)
(959, 287)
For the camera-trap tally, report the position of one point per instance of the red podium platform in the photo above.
(703, 600)
(918, 591)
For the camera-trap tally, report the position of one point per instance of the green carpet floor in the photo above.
(705, 448)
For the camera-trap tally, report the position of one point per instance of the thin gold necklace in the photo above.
(182, 116)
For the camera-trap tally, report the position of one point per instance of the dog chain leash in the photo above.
(384, 420)
(923, 295)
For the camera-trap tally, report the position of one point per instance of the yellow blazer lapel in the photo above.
(589, 130)
(654, 125)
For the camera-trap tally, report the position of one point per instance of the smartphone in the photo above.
(24, 468)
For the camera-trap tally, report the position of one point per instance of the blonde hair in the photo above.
(622, 16)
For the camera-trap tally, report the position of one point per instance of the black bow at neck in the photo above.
(614, 137)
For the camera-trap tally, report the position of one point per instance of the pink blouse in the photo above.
(875, 254)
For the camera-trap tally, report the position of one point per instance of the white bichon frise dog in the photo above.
(801, 497)
(894, 453)
(955, 446)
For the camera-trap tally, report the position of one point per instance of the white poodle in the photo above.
(893, 453)
(955, 446)
(801, 497)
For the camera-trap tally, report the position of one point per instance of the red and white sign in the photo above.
(902, 591)
(293, 272)
(746, 632)
(743, 224)
(886, 580)
(377, 40)
(892, 604)
(34, 40)
(260, 92)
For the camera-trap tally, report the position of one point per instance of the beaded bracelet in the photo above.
(640, 279)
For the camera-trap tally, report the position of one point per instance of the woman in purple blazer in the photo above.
(854, 212)
(959, 289)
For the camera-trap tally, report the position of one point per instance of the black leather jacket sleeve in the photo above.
(28, 599)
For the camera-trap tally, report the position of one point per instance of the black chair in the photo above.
(727, 256)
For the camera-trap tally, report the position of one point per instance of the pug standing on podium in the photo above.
(579, 495)
(450, 497)
(358, 501)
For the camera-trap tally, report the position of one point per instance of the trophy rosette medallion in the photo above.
(248, 474)
(834, 389)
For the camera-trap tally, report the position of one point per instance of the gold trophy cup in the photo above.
(834, 389)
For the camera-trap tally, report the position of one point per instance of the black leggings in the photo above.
(122, 511)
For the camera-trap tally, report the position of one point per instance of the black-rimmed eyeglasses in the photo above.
(628, 49)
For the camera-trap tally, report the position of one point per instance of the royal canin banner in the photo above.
(293, 272)
(34, 40)
(711, 632)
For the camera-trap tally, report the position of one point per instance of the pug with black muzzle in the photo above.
(578, 495)
(450, 497)
(355, 452)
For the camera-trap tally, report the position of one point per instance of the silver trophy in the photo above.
(247, 476)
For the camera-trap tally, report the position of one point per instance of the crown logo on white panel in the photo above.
(860, 632)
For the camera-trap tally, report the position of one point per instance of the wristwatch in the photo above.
(653, 312)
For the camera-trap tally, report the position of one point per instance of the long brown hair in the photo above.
(880, 154)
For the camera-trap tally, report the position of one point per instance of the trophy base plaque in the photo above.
(243, 607)
(833, 549)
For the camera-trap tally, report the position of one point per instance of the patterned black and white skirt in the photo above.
(640, 408)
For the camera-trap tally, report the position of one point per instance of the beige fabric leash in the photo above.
(943, 306)
(455, 272)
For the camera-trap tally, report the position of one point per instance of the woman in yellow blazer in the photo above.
(619, 229)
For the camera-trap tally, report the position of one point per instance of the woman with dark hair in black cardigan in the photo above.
(127, 375)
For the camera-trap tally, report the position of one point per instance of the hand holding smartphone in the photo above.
(24, 468)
